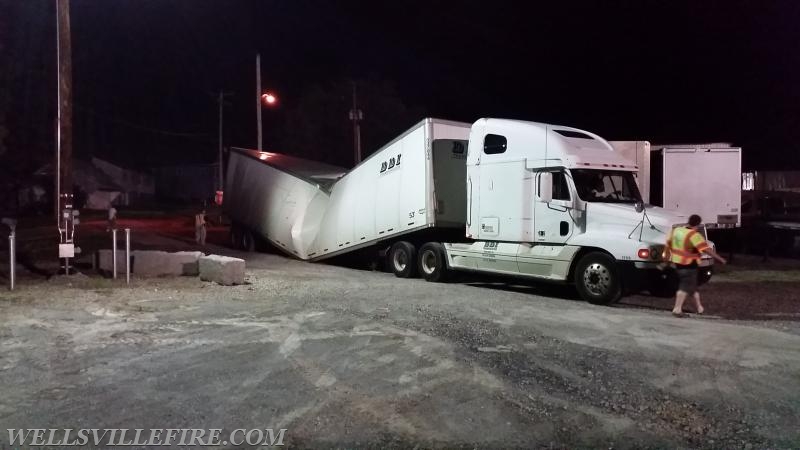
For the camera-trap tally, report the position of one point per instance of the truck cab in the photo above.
(557, 203)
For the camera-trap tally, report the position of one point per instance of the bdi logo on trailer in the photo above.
(393, 162)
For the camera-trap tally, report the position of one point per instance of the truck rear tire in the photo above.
(431, 261)
(597, 278)
(403, 259)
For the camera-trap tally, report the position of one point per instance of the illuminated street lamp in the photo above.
(269, 99)
(266, 99)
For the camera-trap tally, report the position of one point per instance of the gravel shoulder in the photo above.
(351, 358)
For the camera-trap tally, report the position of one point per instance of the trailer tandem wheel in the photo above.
(403, 259)
(432, 263)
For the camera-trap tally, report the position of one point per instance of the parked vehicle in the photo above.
(704, 179)
(507, 197)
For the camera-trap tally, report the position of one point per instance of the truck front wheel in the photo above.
(431, 262)
(597, 278)
(402, 259)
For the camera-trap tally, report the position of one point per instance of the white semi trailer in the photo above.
(702, 179)
(506, 197)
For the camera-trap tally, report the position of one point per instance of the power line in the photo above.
(142, 127)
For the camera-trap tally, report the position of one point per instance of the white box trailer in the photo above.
(639, 153)
(277, 197)
(413, 184)
(525, 199)
(703, 179)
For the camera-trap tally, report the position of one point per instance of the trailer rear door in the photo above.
(704, 181)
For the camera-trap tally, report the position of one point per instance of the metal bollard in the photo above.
(127, 255)
(12, 256)
(114, 253)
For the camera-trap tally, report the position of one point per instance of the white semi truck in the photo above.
(508, 197)
(702, 179)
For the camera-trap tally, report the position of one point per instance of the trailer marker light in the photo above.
(644, 253)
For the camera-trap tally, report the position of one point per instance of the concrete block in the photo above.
(189, 262)
(151, 263)
(222, 269)
(104, 261)
(154, 263)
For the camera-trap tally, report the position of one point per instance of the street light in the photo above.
(268, 98)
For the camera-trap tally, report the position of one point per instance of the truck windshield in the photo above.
(608, 186)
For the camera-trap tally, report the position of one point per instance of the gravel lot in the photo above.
(350, 358)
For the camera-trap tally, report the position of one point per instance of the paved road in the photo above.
(351, 358)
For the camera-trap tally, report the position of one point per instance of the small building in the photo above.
(98, 184)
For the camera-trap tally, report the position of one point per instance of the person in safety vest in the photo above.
(685, 246)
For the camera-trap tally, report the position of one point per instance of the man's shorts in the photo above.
(687, 279)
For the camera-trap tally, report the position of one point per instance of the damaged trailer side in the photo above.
(413, 185)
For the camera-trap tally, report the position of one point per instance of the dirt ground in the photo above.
(352, 358)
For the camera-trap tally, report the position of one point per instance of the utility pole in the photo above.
(63, 157)
(221, 101)
(258, 98)
(356, 115)
(66, 216)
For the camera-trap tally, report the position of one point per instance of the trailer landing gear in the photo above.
(241, 238)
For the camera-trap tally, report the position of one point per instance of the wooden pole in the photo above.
(258, 100)
(64, 133)
(220, 183)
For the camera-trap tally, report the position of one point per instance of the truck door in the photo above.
(552, 221)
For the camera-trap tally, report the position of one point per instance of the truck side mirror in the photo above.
(545, 187)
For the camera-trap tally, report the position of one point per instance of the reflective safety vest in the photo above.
(685, 245)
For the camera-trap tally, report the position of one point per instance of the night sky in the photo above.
(146, 71)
